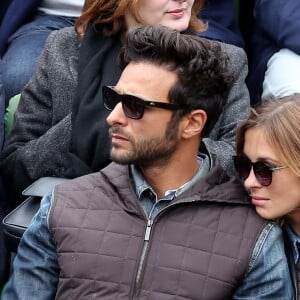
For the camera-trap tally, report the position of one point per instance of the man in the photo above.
(161, 221)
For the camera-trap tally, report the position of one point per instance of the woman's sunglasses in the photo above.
(262, 171)
(133, 106)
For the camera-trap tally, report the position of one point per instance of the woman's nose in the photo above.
(251, 181)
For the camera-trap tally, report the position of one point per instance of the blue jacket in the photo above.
(222, 19)
(276, 26)
(3, 8)
(17, 13)
(219, 13)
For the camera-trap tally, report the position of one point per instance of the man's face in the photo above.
(151, 139)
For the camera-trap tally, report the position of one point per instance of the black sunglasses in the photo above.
(262, 171)
(133, 106)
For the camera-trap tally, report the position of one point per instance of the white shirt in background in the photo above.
(66, 8)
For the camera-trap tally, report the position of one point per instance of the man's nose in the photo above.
(117, 116)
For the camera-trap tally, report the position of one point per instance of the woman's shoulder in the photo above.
(233, 51)
(65, 40)
(237, 56)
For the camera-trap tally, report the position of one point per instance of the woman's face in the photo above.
(174, 14)
(282, 196)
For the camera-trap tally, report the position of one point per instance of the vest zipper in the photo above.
(142, 258)
(147, 235)
(148, 230)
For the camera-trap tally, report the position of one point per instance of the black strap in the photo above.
(291, 263)
(298, 273)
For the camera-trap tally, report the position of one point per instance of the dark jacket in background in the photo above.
(3, 8)
(276, 26)
(222, 18)
(17, 13)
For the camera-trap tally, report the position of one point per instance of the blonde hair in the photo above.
(280, 121)
(108, 16)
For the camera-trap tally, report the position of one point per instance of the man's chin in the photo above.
(120, 158)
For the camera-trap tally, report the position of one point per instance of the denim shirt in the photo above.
(148, 198)
(36, 269)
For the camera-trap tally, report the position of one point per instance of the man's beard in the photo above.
(154, 150)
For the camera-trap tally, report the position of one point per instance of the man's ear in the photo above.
(194, 123)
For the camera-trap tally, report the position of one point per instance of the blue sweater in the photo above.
(276, 26)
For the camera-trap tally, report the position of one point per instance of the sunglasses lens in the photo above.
(262, 173)
(132, 107)
(242, 166)
(110, 98)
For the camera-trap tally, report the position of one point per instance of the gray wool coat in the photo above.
(40, 139)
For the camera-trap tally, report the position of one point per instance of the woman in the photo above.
(268, 160)
(46, 141)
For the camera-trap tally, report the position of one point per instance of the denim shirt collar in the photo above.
(295, 241)
(141, 184)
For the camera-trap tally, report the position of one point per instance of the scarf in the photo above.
(97, 66)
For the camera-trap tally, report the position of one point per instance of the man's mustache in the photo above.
(118, 130)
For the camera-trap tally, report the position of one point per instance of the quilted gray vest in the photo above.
(197, 248)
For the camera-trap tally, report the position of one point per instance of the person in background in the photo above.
(274, 53)
(23, 32)
(268, 160)
(162, 220)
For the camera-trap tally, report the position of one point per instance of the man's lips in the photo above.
(118, 138)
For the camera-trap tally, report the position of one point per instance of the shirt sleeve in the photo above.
(35, 268)
(268, 275)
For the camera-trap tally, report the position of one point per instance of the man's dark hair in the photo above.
(204, 79)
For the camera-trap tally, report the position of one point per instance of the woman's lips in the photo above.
(176, 13)
(258, 201)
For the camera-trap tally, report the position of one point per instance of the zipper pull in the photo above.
(148, 230)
